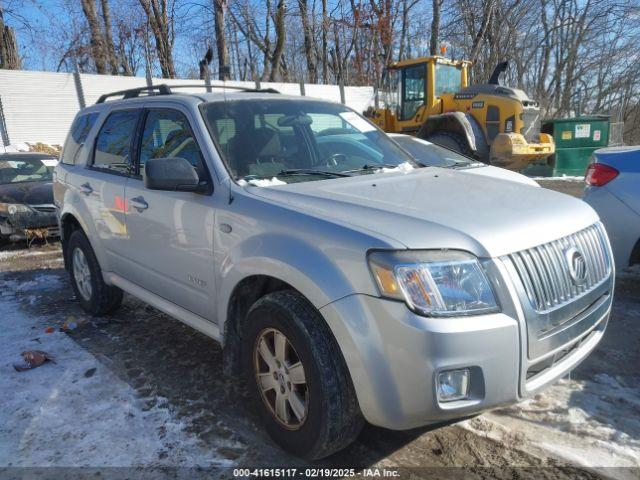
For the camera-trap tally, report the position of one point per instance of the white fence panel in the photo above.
(96, 85)
(38, 106)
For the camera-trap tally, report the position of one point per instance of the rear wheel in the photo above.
(94, 295)
(298, 377)
(452, 141)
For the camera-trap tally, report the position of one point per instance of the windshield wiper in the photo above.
(297, 171)
(371, 168)
(311, 171)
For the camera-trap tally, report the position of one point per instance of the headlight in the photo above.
(13, 208)
(434, 282)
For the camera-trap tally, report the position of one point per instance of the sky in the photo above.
(34, 19)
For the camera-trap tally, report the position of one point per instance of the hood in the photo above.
(440, 208)
(29, 193)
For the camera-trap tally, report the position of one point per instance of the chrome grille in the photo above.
(544, 270)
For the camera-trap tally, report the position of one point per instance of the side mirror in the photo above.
(172, 174)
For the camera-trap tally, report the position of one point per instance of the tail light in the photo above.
(599, 174)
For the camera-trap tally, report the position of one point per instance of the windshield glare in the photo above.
(431, 155)
(298, 140)
(14, 169)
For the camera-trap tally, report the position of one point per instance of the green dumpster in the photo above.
(576, 139)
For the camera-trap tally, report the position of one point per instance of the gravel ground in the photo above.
(172, 367)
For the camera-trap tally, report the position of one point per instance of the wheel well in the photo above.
(69, 224)
(634, 259)
(452, 122)
(247, 292)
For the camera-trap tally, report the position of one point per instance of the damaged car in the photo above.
(26, 197)
(345, 281)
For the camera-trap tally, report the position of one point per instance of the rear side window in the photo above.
(80, 129)
(113, 145)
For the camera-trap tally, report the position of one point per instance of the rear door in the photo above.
(171, 233)
(102, 185)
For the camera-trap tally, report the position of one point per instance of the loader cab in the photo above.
(412, 90)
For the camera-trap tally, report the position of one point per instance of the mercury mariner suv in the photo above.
(345, 282)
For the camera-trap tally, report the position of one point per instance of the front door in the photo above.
(171, 233)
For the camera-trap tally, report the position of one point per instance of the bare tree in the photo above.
(108, 37)
(161, 21)
(9, 57)
(435, 27)
(97, 40)
(220, 10)
(308, 34)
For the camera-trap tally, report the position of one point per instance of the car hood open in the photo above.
(440, 208)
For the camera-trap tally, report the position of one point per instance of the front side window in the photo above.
(113, 145)
(448, 79)
(414, 90)
(167, 134)
(298, 140)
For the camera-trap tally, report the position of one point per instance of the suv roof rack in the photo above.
(164, 89)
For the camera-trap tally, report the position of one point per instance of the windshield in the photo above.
(448, 79)
(299, 140)
(20, 169)
(431, 155)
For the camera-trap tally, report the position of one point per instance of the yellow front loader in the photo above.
(430, 97)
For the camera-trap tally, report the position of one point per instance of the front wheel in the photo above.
(298, 377)
(94, 295)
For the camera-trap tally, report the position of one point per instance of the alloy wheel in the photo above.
(82, 274)
(281, 378)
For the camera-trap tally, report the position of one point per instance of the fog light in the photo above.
(453, 385)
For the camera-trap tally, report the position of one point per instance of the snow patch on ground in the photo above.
(76, 412)
(594, 423)
(9, 254)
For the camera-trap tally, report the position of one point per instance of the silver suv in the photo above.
(344, 282)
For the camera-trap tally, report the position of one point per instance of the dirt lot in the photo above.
(139, 389)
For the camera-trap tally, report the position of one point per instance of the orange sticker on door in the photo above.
(566, 135)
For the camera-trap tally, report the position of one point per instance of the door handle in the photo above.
(86, 188)
(139, 204)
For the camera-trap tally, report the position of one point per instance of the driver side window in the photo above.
(167, 134)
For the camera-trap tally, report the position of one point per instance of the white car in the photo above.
(432, 155)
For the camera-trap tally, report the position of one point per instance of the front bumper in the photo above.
(394, 356)
(35, 223)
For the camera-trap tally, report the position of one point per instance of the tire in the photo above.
(452, 141)
(99, 299)
(332, 418)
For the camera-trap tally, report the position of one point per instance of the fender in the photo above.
(311, 270)
(459, 123)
